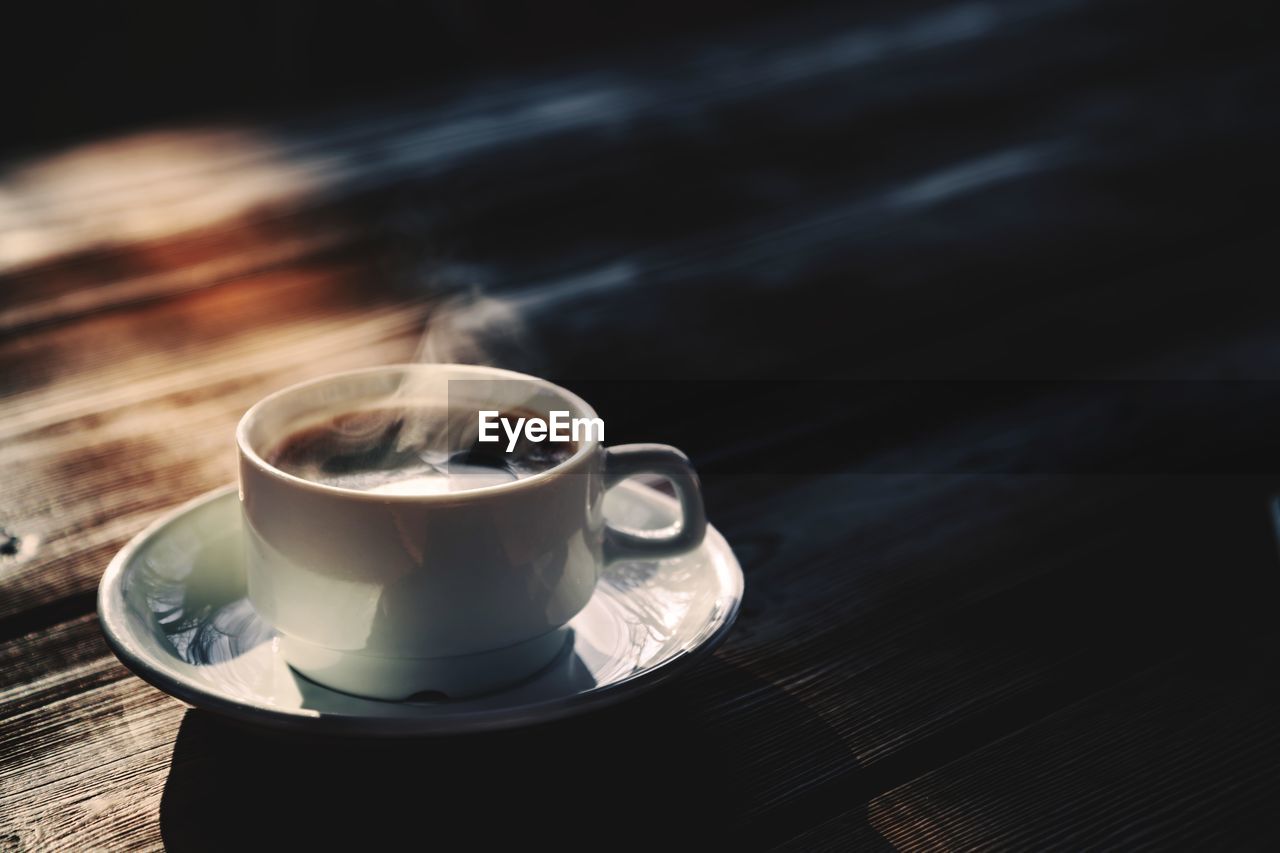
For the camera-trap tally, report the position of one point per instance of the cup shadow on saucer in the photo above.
(566, 675)
(666, 770)
(206, 620)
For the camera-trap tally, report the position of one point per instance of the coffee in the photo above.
(411, 450)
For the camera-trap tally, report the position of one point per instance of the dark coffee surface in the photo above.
(413, 450)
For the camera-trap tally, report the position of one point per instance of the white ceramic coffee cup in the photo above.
(387, 595)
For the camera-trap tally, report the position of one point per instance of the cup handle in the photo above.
(628, 460)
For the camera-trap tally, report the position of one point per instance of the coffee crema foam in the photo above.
(411, 450)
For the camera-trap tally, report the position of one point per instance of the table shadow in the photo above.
(666, 770)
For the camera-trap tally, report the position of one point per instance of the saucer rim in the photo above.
(114, 621)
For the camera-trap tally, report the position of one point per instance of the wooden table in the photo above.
(967, 314)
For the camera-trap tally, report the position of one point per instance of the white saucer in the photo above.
(173, 607)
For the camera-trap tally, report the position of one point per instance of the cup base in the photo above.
(397, 679)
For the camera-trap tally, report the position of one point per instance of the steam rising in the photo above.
(477, 329)
(421, 438)
(464, 328)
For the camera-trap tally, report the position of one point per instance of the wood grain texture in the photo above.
(838, 700)
(100, 755)
(1111, 770)
(145, 418)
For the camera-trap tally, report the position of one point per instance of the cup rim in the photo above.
(247, 452)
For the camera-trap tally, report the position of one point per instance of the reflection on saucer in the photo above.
(173, 606)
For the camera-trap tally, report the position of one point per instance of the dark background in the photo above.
(1055, 190)
(107, 67)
